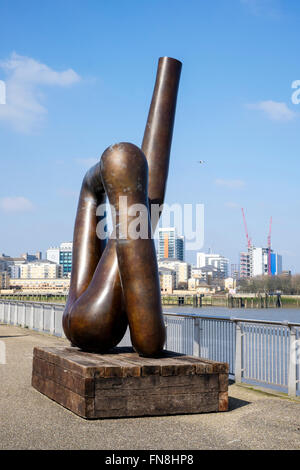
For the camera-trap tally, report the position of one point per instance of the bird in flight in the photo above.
(201, 161)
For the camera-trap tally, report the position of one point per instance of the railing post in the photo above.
(292, 379)
(23, 316)
(238, 352)
(31, 321)
(15, 313)
(52, 321)
(197, 332)
(41, 322)
(9, 313)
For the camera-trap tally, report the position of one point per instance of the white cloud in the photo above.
(87, 162)
(24, 77)
(16, 204)
(230, 184)
(277, 111)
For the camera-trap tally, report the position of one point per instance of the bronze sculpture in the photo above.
(116, 284)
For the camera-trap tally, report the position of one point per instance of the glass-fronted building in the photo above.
(65, 258)
(170, 245)
(62, 255)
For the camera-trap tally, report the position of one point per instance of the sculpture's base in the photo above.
(124, 384)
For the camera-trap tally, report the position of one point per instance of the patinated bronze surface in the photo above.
(116, 283)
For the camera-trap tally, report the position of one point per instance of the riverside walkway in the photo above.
(29, 420)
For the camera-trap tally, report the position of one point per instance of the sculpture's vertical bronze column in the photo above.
(159, 128)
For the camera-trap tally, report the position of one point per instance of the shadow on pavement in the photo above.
(235, 403)
(13, 336)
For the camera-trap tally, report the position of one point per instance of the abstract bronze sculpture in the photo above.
(116, 284)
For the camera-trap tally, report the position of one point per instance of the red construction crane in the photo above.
(269, 248)
(246, 229)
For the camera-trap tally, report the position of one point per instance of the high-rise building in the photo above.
(244, 265)
(255, 262)
(62, 255)
(215, 260)
(65, 257)
(276, 264)
(170, 245)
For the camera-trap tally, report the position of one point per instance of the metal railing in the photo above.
(38, 316)
(258, 352)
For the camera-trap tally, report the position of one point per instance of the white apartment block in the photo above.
(258, 261)
(207, 272)
(52, 254)
(40, 270)
(181, 268)
(215, 260)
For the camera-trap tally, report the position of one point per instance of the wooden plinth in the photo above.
(124, 384)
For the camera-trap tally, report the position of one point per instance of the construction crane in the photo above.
(269, 248)
(246, 230)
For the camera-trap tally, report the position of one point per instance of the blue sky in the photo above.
(80, 75)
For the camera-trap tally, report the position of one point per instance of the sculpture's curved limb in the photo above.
(94, 318)
(136, 256)
(97, 319)
(87, 248)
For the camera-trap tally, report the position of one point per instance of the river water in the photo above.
(275, 314)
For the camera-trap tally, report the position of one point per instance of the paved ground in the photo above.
(29, 420)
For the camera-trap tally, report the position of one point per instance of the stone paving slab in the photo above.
(29, 420)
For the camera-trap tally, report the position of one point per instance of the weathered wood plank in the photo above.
(201, 366)
(157, 405)
(218, 367)
(66, 360)
(168, 384)
(148, 366)
(129, 369)
(223, 382)
(83, 406)
(223, 401)
(169, 364)
(84, 386)
(174, 366)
